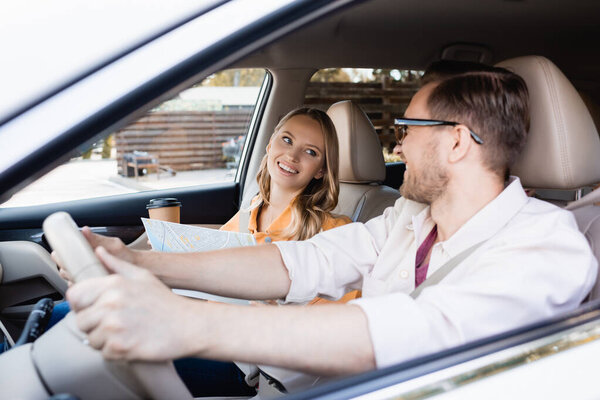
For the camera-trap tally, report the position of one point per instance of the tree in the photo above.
(331, 75)
(402, 75)
(236, 77)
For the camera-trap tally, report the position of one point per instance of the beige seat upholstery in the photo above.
(362, 168)
(563, 148)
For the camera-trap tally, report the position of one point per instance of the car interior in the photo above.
(551, 45)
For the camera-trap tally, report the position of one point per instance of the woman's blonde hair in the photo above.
(311, 207)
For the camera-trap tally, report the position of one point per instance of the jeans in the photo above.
(202, 377)
(58, 312)
(212, 378)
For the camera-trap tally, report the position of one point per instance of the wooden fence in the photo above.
(184, 140)
(194, 140)
(382, 102)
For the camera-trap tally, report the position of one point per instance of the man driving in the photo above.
(483, 256)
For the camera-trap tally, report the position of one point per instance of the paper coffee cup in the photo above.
(164, 209)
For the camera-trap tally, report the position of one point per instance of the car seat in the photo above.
(563, 148)
(362, 168)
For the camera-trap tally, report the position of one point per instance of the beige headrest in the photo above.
(563, 148)
(361, 157)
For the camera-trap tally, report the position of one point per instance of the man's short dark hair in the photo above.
(444, 69)
(494, 103)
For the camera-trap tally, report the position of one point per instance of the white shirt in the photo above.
(534, 264)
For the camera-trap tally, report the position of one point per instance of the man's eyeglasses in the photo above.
(401, 126)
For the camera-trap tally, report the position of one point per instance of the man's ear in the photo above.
(461, 143)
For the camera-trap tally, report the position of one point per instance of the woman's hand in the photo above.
(113, 245)
(61, 270)
(131, 314)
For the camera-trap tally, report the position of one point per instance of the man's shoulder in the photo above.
(541, 219)
(545, 211)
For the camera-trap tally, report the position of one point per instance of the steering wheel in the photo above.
(62, 358)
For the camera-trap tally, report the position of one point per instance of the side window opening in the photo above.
(383, 94)
(192, 139)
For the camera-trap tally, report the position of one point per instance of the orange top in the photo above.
(273, 232)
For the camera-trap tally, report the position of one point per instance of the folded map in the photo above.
(179, 238)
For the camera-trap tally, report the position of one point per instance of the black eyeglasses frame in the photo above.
(401, 124)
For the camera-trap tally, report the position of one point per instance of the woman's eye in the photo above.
(287, 140)
(312, 152)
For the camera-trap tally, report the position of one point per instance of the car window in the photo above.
(194, 138)
(383, 94)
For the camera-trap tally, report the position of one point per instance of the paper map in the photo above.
(179, 238)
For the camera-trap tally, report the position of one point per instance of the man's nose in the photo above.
(397, 151)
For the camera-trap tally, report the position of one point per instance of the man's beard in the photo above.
(428, 185)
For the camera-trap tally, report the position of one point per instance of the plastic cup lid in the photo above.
(163, 202)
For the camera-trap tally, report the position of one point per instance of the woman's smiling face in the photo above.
(296, 154)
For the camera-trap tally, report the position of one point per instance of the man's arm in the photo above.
(255, 272)
(128, 313)
(328, 264)
(322, 340)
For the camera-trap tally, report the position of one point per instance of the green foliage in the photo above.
(236, 77)
(87, 154)
(103, 146)
(365, 75)
(399, 75)
(331, 75)
(389, 156)
(380, 74)
(107, 146)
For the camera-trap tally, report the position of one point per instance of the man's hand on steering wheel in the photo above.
(114, 246)
(130, 314)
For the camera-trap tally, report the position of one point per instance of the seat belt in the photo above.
(445, 270)
(245, 214)
(250, 371)
(269, 387)
(244, 221)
